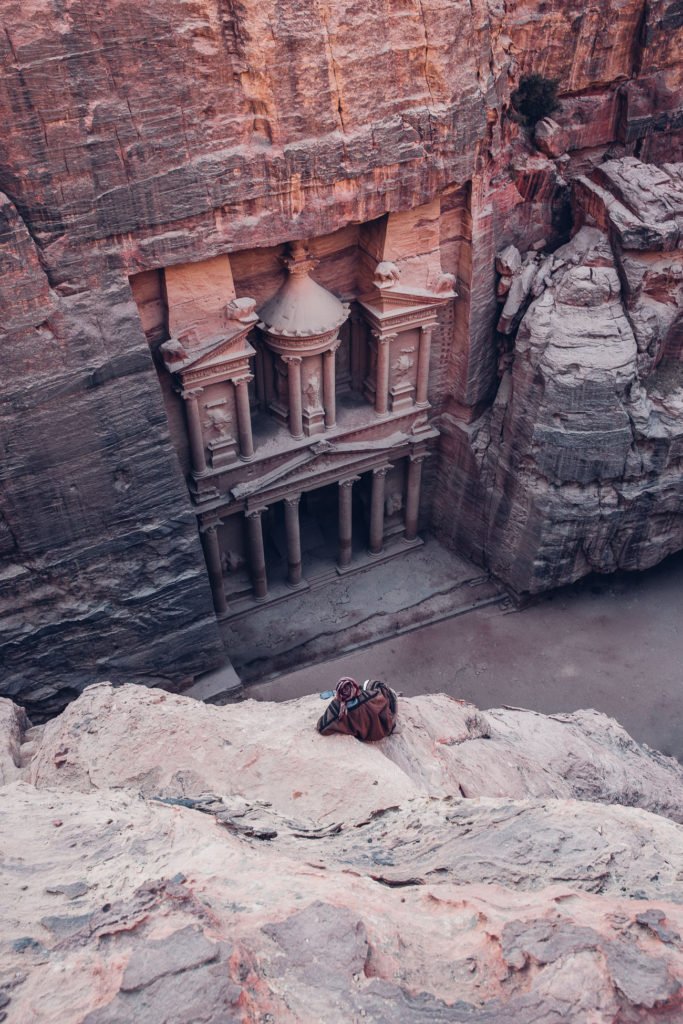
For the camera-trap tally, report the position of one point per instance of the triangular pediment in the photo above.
(393, 300)
(221, 350)
(321, 454)
(226, 347)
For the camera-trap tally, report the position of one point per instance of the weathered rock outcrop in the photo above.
(138, 137)
(185, 862)
(578, 462)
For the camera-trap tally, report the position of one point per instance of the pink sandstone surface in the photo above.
(140, 138)
(171, 862)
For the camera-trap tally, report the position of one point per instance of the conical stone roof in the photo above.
(302, 308)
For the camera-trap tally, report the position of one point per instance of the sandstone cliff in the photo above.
(167, 861)
(141, 136)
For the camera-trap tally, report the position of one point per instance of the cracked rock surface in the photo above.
(167, 861)
(578, 460)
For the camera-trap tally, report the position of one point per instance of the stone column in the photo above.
(194, 431)
(346, 521)
(293, 541)
(244, 417)
(413, 495)
(357, 362)
(257, 555)
(268, 387)
(296, 422)
(261, 378)
(329, 386)
(212, 554)
(383, 363)
(377, 510)
(423, 364)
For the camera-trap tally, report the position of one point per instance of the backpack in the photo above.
(367, 712)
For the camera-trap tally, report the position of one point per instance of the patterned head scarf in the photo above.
(347, 690)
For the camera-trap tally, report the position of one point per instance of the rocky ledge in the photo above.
(168, 861)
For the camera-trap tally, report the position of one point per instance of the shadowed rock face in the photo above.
(141, 136)
(233, 865)
(579, 458)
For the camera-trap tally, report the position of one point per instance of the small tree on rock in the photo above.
(535, 99)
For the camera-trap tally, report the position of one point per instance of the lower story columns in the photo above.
(413, 488)
(293, 533)
(346, 522)
(377, 510)
(257, 555)
(212, 554)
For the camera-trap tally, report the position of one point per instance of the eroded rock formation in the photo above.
(144, 141)
(579, 458)
(171, 861)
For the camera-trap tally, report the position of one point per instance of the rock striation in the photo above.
(143, 141)
(578, 461)
(233, 865)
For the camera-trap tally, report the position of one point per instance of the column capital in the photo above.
(349, 482)
(292, 500)
(419, 456)
(427, 328)
(293, 360)
(245, 378)
(255, 513)
(189, 393)
(333, 347)
(382, 338)
(381, 470)
(211, 526)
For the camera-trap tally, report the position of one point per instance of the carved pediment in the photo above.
(387, 300)
(324, 456)
(223, 349)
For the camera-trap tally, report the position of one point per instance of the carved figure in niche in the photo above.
(386, 275)
(231, 561)
(404, 363)
(218, 419)
(393, 503)
(312, 390)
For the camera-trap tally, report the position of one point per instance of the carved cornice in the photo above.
(293, 346)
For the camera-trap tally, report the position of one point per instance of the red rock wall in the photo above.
(142, 136)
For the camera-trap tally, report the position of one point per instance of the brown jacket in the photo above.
(372, 718)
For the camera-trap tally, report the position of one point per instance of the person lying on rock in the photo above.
(367, 712)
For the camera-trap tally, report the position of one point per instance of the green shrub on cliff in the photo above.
(535, 98)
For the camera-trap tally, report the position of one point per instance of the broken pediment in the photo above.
(216, 351)
(323, 456)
